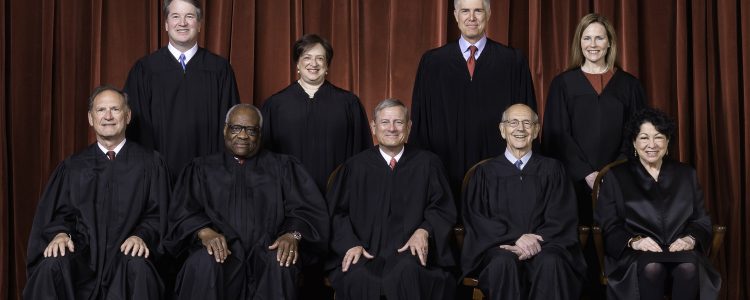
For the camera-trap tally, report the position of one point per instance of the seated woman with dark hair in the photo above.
(655, 226)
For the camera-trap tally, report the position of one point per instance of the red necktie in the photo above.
(111, 155)
(392, 164)
(471, 62)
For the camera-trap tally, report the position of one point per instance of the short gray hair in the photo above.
(485, 2)
(106, 87)
(389, 103)
(244, 106)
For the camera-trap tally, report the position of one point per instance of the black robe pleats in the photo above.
(251, 204)
(100, 203)
(501, 203)
(379, 209)
(632, 203)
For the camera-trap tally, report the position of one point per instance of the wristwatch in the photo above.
(296, 235)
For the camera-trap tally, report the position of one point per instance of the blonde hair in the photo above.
(576, 54)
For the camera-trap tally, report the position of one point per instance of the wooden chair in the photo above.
(716, 242)
(329, 184)
(459, 231)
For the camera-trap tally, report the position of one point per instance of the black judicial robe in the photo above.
(321, 132)
(455, 116)
(101, 203)
(632, 203)
(379, 209)
(250, 204)
(583, 129)
(501, 203)
(180, 114)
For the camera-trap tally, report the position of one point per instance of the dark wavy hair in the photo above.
(663, 123)
(308, 41)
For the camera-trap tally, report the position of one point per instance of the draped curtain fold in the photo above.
(692, 56)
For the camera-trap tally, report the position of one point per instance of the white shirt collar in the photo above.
(464, 45)
(188, 54)
(512, 159)
(117, 149)
(388, 157)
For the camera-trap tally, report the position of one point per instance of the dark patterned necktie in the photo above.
(111, 155)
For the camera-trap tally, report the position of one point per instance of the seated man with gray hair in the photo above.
(243, 215)
(521, 222)
(99, 223)
(393, 214)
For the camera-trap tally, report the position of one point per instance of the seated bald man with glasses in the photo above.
(246, 217)
(519, 211)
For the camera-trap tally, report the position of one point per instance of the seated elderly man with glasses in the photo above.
(243, 215)
(519, 210)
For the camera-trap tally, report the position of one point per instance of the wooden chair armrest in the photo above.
(717, 241)
(599, 245)
(583, 235)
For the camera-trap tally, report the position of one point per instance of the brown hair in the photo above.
(196, 3)
(576, 55)
(308, 41)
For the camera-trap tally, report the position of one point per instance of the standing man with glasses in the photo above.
(247, 218)
(462, 88)
(521, 221)
(96, 229)
(180, 92)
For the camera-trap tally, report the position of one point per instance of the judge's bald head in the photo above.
(109, 114)
(519, 127)
(242, 130)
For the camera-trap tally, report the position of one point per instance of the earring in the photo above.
(297, 71)
(635, 153)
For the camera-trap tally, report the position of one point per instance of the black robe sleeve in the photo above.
(501, 204)
(343, 236)
(53, 215)
(560, 226)
(699, 226)
(215, 192)
(305, 208)
(558, 138)
(607, 214)
(187, 214)
(138, 88)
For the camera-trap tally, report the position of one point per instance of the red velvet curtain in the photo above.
(692, 56)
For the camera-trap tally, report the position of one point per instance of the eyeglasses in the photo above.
(514, 123)
(249, 130)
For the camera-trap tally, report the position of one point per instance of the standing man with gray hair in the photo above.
(393, 215)
(180, 93)
(462, 88)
